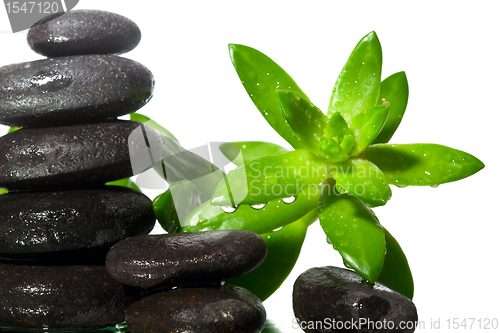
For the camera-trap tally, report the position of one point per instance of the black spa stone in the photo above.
(80, 32)
(198, 257)
(323, 294)
(75, 156)
(72, 90)
(228, 309)
(36, 223)
(61, 297)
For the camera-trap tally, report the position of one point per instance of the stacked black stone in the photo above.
(182, 274)
(59, 219)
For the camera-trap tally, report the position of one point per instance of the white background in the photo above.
(449, 50)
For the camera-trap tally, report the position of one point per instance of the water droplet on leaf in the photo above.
(228, 209)
(344, 243)
(290, 200)
(258, 206)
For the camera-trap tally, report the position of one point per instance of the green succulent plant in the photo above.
(341, 168)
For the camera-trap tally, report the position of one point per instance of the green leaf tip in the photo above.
(394, 90)
(422, 164)
(306, 120)
(261, 76)
(358, 85)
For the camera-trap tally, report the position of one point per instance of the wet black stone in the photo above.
(36, 223)
(80, 32)
(199, 257)
(72, 90)
(61, 297)
(201, 310)
(72, 156)
(324, 293)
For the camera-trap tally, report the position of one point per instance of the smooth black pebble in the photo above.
(228, 309)
(198, 257)
(80, 32)
(72, 90)
(78, 155)
(36, 223)
(61, 297)
(324, 293)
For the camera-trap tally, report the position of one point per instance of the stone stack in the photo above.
(59, 220)
(182, 274)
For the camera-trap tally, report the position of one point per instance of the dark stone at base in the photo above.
(334, 293)
(72, 90)
(75, 156)
(61, 297)
(44, 222)
(199, 257)
(201, 310)
(84, 32)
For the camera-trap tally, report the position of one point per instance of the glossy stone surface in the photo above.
(72, 90)
(78, 155)
(201, 310)
(45, 222)
(61, 297)
(199, 257)
(80, 32)
(340, 294)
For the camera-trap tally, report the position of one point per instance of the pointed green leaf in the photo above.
(126, 182)
(394, 90)
(243, 152)
(336, 127)
(357, 87)
(182, 164)
(13, 129)
(362, 179)
(176, 203)
(261, 77)
(306, 120)
(270, 177)
(422, 163)
(153, 124)
(353, 230)
(283, 249)
(2, 190)
(366, 126)
(261, 219)
(396, 273)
